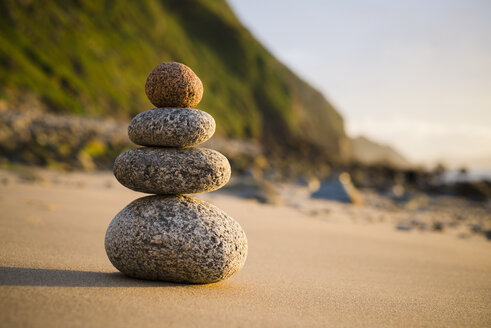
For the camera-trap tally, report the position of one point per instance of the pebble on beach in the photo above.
(172, 84)
(171, 127)
(172, 170)
(175, 238)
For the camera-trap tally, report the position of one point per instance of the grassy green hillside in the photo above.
(92, 57)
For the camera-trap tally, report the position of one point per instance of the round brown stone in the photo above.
(172, 84)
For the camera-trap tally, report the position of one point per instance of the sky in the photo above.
(412, 74)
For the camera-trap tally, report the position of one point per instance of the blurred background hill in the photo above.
(91, 59)
(368, 152)
(72, 75)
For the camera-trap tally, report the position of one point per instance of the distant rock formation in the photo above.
(369, 152)
(339, 188)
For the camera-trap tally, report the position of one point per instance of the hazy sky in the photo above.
(413, 74)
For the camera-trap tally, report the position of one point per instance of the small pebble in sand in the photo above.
(437, 226)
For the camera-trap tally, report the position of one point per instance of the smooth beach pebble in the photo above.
(176, 239)
(172, 170)
(171, 127)
(173, 84)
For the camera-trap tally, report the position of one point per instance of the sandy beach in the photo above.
(301, 271)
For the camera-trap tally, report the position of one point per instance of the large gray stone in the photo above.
(172, 170)
(171, 127)
(176, 239)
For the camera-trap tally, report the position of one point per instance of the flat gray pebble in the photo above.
(171, 127)
(177, 239)
(172, 170)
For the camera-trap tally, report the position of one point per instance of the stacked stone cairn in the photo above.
(170, 236)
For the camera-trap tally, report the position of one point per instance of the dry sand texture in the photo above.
(301, 271)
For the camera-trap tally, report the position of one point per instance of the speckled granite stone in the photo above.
(173, 84)
(171, 127)
(177, 239)
(172, 170)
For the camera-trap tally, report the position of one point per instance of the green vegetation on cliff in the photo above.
(92, 58)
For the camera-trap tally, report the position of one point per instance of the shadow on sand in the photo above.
(13, 276)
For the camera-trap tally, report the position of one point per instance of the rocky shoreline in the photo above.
(71, 142)
(77, 143)
(421, 214)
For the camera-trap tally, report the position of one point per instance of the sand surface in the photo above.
(300, 272)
